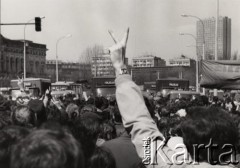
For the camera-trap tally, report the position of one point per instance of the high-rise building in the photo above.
(224, 38)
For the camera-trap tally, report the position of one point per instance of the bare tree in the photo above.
(87, 57)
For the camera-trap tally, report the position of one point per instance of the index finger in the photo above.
(125, 37)
(113, 36)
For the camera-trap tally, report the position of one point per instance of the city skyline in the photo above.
(154, 25)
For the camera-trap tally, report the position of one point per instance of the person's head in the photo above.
(196, 102)
(10, 136)
(175, 125)
(72, 111)
(203, 126)
(37, 107)
(87, 108)
(163, 126)
(4, 104)
(5, 119)
(164, 112)
(90, 101)
(215, 99)
(105, 103)
(106, 115)
(68, 98)
(52, 125)
(47, 149)
(204, 100)
(54, 114)
(102, 158)
(228, 100)
(86, 130)
(237, 97)
(22, 116)
(98, 102)
(107, 131)
(112, 101)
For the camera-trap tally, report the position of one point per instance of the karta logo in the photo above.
(156, 152)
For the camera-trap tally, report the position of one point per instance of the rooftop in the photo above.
(146, 56)
(180, 57)
(10, 42)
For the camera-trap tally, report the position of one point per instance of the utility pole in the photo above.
(1, 57)
(216, 40)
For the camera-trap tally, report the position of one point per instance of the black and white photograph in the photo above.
(119, 83)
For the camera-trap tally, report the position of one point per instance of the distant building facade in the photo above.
(68, 71)
(142, 75)
(12, 61)
(102, 65)
(224, 38)
(181, 61)
(148, 61)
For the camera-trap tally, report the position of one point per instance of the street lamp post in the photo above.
(61, 38)
(197, 73)
(24, 48)
(203, 45)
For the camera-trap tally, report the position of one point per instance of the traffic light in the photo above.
(37, 24)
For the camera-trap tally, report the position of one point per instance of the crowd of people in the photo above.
(69, 132)
(131, 130)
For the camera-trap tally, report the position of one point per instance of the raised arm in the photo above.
(136, 118)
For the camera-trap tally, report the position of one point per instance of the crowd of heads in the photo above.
(202, 121)
(62, 133)
(70, 133)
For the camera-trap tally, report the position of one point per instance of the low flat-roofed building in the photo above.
(180, 61)
(68, 71)
(148, 61)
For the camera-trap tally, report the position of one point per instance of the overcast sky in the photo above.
(154, 24)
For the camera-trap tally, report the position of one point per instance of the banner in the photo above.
(222, 74)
